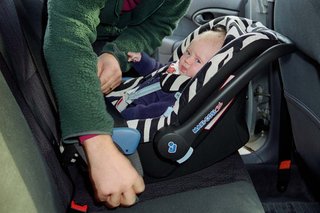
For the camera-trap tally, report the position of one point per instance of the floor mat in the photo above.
(291, 207)
(264, 178)
(297, 198)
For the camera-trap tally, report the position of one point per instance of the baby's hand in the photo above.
(134, 56)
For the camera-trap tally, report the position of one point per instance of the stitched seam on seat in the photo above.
(302, 107)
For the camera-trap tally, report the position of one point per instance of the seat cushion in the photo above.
(233, 197)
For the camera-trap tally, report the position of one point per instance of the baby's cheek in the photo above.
(192, 72)
(196, 69)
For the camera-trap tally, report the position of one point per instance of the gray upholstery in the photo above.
(234, 197)
(24, 181)
(300, 22)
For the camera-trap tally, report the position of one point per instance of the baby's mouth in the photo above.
(183, 69)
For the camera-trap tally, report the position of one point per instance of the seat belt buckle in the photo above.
(285, 165)
(77, 208)
(121, 104)
(283, 175)
(124, 101)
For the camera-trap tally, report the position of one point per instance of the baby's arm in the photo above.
(146, 64)
(142, 111)
(134, 56)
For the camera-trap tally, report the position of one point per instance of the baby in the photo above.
(198, 53)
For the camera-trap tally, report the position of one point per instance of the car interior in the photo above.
(274, 119)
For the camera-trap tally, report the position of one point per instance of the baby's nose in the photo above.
(190, 60)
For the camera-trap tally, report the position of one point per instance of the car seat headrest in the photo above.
(291, 20)
(241, 33)
(235, 28)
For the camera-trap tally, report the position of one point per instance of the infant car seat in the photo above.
(190, 133)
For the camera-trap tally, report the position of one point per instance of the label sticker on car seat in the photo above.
(207, 118)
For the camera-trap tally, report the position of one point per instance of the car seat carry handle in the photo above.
(175, 142)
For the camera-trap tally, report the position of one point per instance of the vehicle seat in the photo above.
(300, 73)
(32, 180)
(28, 185)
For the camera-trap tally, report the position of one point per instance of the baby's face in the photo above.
(197, 55)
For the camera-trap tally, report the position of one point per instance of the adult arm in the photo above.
(73, 71)
(72, 66)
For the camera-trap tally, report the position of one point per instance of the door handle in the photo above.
(203, 18)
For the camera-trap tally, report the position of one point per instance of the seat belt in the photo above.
(32, 45)
(285, 145)
(134, 94)
(16, 46)
(27, 88)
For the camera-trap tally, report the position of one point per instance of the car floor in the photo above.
(300, 196)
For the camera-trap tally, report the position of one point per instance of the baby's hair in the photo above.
(215, 37)
(220, 28)
(216, 29)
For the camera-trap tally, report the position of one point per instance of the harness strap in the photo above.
(143, 91)
(134, 94)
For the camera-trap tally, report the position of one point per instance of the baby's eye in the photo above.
(188, 52)
(198, 61)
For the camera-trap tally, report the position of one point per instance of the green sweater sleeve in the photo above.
(72, 66)
(148, 34)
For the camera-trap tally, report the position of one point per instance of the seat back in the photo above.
(300, 22)
(26, 185)
(29, 88)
